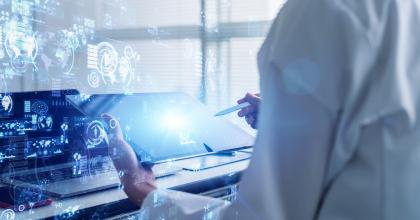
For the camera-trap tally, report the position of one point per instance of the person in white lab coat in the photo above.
(339, 129)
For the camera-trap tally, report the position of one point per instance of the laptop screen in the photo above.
(165, 126)
(39, 129)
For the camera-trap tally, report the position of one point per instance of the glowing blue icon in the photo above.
(185, 138)
(6, 103)
(95, 134)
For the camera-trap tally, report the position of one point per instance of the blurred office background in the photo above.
(205, 48)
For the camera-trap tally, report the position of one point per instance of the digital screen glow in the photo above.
(174, 121)
(163, 126)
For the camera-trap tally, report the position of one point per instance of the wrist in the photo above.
(138, 191)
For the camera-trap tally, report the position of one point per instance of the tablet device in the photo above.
(165, 126)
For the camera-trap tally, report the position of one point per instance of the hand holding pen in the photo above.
(250, 112)
(249, 108)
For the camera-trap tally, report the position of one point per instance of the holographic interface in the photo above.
(46, 135)
(59, 49)
(52, 147)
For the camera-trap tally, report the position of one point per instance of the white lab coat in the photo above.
(339, 134)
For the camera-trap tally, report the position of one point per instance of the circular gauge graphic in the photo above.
(19, 63)
(108, 61)
(113, 68)
(94, 79)
(95, 134)
(39, 107)
(8, 214)
(22, 48)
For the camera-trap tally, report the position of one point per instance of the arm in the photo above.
(138, 182)
(139, 185)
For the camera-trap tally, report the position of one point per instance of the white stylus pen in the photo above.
(232, 109)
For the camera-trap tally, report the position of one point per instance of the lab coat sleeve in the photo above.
(168, 204)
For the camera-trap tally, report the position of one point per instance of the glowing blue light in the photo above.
(174, 121)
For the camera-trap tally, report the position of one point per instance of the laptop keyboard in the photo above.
(58, 175)
(45, 177)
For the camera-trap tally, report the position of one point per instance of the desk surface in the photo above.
(181, 181)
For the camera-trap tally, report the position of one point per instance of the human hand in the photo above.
(138, 181)
(251, 112)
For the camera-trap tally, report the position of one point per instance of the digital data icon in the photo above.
(95, 134)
